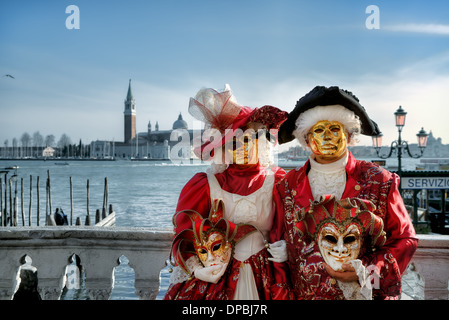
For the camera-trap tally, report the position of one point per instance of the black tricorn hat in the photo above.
(322, 96)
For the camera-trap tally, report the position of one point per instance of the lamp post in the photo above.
(398, 145)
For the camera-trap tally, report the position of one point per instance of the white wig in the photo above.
(309, 118)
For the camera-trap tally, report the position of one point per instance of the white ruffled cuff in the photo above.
(361, 290)
(179, 275)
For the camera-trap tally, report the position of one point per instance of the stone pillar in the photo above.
(432, 262)
(147, 269)
(51, 266)
(99, 269)
(9, 266)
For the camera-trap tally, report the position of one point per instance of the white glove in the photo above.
(211, 274)
(357, 290)
(278, 251)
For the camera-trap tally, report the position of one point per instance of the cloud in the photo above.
(436, 29)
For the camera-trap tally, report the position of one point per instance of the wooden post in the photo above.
(6, 200)
(38, 206)
(105, 198)
(21, 201)
(15, 204)
(1, 202)
(71, 202)
(46, 202)
(97, 216)
(49, 191)
(31, 196)
(88, 197)
(10, 203)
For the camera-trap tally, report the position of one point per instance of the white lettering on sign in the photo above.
(425, 183)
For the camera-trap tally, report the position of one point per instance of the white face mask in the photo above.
(339, 244)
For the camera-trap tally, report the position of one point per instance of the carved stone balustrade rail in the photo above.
(50, 250)
(431, 260)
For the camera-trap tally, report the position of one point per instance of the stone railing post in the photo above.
(432, 263)
(147, 270)
(9, 264)
(50, 266)
(99, 268)
(98, 249)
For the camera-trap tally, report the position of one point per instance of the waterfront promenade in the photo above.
(50, 251)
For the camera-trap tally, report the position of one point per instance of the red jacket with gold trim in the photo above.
(365, 180)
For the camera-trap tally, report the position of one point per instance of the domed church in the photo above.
(155, 144)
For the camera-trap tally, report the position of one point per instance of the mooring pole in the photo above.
(71, 202)
(31, 197)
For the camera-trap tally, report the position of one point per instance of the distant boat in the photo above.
(433, 164)
(61, 163)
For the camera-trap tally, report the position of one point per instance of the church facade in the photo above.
(154, 144)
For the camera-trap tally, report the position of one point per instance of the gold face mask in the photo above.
(243, 148)
(215, 251)
(327, 139)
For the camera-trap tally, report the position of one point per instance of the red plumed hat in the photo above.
(220, 111)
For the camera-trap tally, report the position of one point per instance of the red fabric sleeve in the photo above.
(393, 258)
(281, 290)
(194, 196)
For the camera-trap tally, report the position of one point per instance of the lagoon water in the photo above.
(142, 193)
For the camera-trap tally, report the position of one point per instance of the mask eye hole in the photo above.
(318, 131)
(202, 251)
(330, 238)
(335, 129)
(216, 247)
(349, 239)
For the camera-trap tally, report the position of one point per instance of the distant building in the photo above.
(48, 152)
(435, 147)
(152, 144)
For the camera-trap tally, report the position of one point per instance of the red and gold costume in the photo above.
(247, 193)
(365, 181)
(344, 177)
(196, 196)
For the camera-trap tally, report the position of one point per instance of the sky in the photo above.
(74, 81)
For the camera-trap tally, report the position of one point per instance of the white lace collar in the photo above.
(329, 178)
(329, 167)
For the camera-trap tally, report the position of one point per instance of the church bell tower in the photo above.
(130, 116)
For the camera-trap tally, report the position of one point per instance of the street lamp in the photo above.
(399, 145)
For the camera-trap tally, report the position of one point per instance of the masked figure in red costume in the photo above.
(240, 175)
(326, 120)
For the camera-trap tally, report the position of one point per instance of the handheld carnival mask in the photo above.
(327, 138)
(215, 251)
(211, 239)
(344, 230)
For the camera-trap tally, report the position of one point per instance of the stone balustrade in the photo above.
(431, 260)
(50, 250)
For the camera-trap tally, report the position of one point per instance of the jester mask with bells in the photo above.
(344, 230)
(212, 239)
